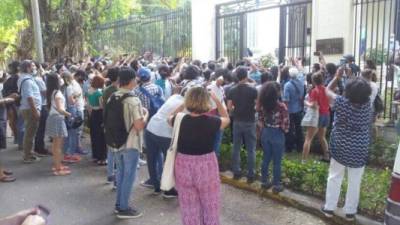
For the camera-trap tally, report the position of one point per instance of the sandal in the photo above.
(62, 167)
(7, 172)
(61, 172)
(7, 179)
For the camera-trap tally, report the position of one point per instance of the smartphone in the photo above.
(317, 53)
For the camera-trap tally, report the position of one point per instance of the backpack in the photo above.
(18, 100)
(156, 101)
(114, 122)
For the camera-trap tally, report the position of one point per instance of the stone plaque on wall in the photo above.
(333, 46)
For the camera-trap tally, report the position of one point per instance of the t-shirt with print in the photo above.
(243, 97)
(319, 96)
(197, 134)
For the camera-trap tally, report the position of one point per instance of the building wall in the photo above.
(333, 19)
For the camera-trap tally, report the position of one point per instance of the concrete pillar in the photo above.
(396, 167)
(203, 29)
(328, 23)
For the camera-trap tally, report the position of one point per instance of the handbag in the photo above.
(378, 105)
(311, 118)
(168, 176)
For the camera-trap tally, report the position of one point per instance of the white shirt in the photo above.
(158, 124)
(42, 88)
(218, 91)
(53, 103)
(75, 89)
(374, 92)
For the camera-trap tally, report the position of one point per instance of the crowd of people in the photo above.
(131, 104)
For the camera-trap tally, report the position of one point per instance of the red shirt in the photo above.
(319, 96)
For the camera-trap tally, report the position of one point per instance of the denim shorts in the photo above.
(324, 120)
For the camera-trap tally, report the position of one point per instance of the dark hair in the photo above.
(207, 74)
(269, 96)
(164, 71)
(97, 66)
(331, 68)
(266, 76)
(220, 72)
(25, 65)
(191, 72)
(211, 65)
(80, 75)
(58, 67)
(52, 84)
(316, 67)
(126, 75)
(13, 67)
(285, 73)
(230, 66)
(45, 65)
(241, 73)
(134, 65)
(97, 82)
(358, 91)
(197, 63)
(317, 78)
(274, 72)
(112, 74)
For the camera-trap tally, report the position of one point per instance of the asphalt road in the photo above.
(83, 198)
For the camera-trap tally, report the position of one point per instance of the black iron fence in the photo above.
(376, 37)
(235, 32)
(167, 34)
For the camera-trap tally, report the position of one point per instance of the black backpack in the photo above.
(114, 123)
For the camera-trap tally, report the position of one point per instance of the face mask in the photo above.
(34, 73)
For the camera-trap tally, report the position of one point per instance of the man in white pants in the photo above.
(350, 138)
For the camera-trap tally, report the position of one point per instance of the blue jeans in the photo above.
(126, 161)
(156, 150)
(217, 143)
(71, 143)
(244, 132)
(273, 144)
(20, 128)
(110, 164)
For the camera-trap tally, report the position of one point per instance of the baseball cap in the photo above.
(144, 74)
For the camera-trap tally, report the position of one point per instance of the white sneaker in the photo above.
(142, 162)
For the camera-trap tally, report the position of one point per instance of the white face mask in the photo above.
(34, 73)
(61, 82)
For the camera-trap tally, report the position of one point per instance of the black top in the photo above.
(243, 97)
(197, 134)
(10, 85)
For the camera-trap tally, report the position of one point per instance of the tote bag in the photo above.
(311, 118)
(168, 177)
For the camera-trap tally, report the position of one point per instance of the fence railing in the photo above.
(167, 34)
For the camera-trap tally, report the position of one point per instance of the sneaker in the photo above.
(327, 213)
(128, 214)
(32, 159)
(110, 179)
(81, 151)
(250, 180)
(170, 194)
(237, 176)
(277, 189)
(42, 153)
(350, 217)
(142, 162)
(147, 184)
(266, 186)
(157, 192)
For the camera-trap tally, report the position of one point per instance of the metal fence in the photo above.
(376, 35)
(167, 34)
(235, 32)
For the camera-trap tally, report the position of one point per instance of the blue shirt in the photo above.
(293, 94)
(256, 76)
(29, 89)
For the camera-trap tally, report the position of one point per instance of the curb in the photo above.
(304, 203)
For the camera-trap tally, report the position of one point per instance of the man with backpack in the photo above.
(124, 121)
(293, 96)
(150, 94)
(31, 104)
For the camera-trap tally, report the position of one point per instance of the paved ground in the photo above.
(84, 199)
